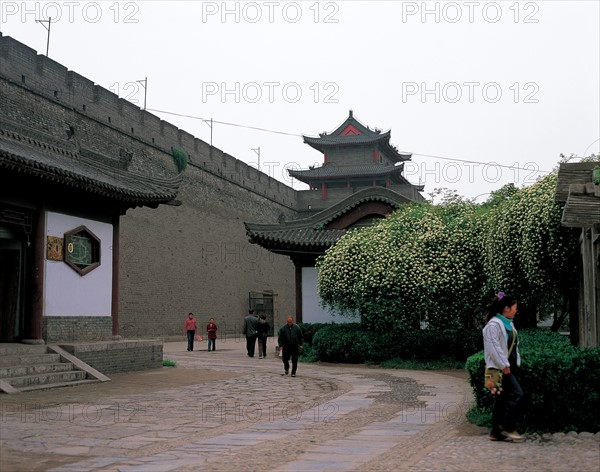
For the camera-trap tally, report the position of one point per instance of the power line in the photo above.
(479, 162)
(227, 123)
(266, 130)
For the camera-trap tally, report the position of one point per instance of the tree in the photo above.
(432, 265)
(527, 252)
(421, 266)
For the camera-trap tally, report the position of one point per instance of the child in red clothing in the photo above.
(211, 331)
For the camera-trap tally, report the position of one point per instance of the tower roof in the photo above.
(314, 233)
(334, 172)
(353, 133)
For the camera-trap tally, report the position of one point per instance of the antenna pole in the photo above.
(49, 21)
(257, 151)
(145, 85)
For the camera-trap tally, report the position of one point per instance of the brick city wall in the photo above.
(119, 356)
(174, 259)
(76, 328)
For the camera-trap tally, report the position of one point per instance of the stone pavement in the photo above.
(223, 411)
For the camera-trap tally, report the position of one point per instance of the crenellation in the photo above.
(169, 133)
(131, 116)
(152, 129)
(47, 78)
(186, 141)
(203, 149)
(53, 75)
(81, 90)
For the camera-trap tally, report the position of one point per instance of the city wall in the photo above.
(174, 259)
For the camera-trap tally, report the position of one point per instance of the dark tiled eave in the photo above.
(576, 188)
(326, 142)
(350, 140)
(67, 168)
(304, 238)
(340, 172)
(313, 231)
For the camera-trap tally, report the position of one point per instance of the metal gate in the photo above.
(262, 303)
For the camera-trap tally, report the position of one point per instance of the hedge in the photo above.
(561, 384)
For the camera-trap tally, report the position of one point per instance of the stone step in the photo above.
(16, 349)
(73, 383)
(46, 379)
(18, 360)
(25, 370)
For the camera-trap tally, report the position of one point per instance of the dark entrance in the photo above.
(11, 285)
(262, 303)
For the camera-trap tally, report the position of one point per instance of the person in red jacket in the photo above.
(211, 334)
(190, 327)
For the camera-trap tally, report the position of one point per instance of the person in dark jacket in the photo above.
(262, 332)
(290, 342)
(249, 331)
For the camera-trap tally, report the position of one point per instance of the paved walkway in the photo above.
(223, 411)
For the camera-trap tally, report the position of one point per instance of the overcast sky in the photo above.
(461, 85)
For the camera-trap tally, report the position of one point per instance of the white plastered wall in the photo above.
(312, 311)
(66, 293)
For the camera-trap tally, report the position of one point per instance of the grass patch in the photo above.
(410, 364)
(480, 416)
(169, 363)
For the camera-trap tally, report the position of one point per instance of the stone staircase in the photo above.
(26, 367)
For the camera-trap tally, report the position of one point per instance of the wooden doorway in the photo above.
(262, 303)
(11, 309)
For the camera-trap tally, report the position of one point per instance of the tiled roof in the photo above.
(572, 173)
(583, 206)
(311, 232)
(333, 171)
(581, 195)
(350, 140)
(52, 163)
(351, 121)
(368, 136)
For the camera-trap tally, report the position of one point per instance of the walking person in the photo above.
(249, 330)
(501, 349)
(211, 334)
(290, 341)
(190, 328)
(262, 333)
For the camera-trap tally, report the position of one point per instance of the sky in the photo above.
(482, 93)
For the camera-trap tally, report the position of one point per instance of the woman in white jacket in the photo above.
(499, 335)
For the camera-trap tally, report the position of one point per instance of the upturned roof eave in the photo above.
(165, 189)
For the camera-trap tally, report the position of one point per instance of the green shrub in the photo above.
(180, 157)
(169, 363)
(341, 343)
(309, 330)
(354, 343)
(560, 384)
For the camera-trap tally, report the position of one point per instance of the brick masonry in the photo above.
(174, 259)
(119, 356)
(76, 328)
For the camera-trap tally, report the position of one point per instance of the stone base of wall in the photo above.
(111, 357)
(58, 329)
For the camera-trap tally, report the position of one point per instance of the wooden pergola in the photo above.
(576, 188)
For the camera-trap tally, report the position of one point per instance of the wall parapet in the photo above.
(38, 73)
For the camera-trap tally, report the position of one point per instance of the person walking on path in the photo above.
(290, 341)
(249, 331)
(501, 350)
(262, 332)
(211, 334)
(190, 327)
